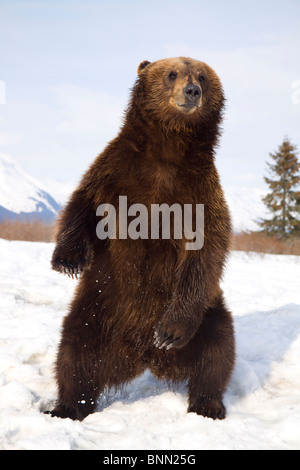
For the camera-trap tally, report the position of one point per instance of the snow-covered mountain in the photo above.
(21, 196)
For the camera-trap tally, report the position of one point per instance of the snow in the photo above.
(263, 397)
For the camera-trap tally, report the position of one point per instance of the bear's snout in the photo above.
(187, 97)
(192, 93)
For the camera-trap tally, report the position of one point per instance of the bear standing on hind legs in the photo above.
(147, 302)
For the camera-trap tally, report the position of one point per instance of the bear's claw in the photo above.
(163, 340)
(72, 269)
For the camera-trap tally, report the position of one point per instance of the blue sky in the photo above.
(68, 67)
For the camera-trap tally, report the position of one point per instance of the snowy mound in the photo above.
(262, 400)
(21, 196)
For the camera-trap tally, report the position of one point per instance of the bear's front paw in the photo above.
(70, 262)
(169, 338)
(71, 268)
(173, 333)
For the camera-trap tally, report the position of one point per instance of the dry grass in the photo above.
(246, 241)
(261, 243)
(35, 231)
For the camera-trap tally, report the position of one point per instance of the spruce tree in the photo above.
(283, 200)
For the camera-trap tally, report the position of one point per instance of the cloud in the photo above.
(8, 138)
(2, 92)
(85, 111)
(62, 130)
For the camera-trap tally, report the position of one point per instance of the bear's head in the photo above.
(179, 92)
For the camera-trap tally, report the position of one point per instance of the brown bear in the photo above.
(141, 302)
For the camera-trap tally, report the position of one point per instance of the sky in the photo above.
(67, 67)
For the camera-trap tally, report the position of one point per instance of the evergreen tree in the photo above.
(283, 200)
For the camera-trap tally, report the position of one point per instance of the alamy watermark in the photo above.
(161, 221)
(2, 92)
(296, 93)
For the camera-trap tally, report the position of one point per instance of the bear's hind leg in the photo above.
(90, 358)
(214, 364)
(77, 372)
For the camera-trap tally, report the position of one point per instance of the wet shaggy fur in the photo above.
(150, 304)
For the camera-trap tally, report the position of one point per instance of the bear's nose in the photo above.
(192, 93)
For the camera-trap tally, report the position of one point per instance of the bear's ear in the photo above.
(142, 66)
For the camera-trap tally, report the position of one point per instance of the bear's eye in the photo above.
(201, 78)
(172, 75)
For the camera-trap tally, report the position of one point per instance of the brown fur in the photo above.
(133, 290)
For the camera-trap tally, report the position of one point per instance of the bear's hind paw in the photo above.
(63, 412)
(209, 407)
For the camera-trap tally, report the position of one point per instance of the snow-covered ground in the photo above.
(263, 398)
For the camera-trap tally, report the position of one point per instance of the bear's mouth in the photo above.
(187, 107)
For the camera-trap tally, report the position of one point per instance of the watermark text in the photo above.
(161, 221)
